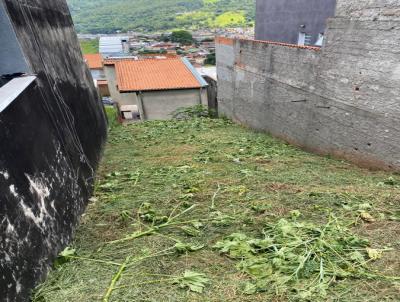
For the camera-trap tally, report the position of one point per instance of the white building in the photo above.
(114, 46)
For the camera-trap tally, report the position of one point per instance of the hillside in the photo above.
(108, 16)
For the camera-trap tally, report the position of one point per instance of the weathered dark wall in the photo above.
(50, 145)
(212, 91)
(342, 100)
(281, 20)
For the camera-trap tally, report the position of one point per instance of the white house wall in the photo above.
(160, 105)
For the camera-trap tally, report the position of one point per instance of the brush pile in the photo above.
(300, 259)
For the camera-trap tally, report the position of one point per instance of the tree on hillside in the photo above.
(182, 36)
(165, 38)
(211, 59)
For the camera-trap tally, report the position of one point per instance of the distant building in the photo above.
(300, 22)
(111, 77)
(155, 88)
(114, 46)
(95, 64)
(209, 45)
(165, 45)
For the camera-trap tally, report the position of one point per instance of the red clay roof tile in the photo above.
(154, 74)
(114, 60)
(94, 61)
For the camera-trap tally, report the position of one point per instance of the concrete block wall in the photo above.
(369, 9)
(161, 105)
(342, 100)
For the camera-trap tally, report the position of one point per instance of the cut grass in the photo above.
(219, 179)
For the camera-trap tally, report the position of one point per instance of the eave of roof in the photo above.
(94, 61)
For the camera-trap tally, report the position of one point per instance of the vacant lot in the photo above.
(204, 210)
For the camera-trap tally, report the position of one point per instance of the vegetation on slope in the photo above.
(182, 36)
(89, 46)
(204, 210)
(108, 16)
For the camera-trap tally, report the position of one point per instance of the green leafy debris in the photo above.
(64, 256)
(196, 282)
(265, 204)
(300, 257)
(187, 247)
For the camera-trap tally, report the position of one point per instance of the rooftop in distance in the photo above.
(94, 61)
(157, 74)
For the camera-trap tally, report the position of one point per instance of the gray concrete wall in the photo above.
(109, 72)
(343, 100)
(160, 105)
(128, 99)
(369, 10)
(281, 20)
(204, 96)
(212, 90)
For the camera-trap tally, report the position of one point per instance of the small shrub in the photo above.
(112, 117)
(196, 111)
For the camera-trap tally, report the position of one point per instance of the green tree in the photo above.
(182, 36)
(210, 60)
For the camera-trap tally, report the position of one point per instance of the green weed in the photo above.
(168, 191)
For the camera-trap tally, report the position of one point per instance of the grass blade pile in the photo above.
(201, 209)
(301, 258)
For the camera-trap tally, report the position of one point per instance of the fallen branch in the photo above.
(214, 197)
(115, 279)
(94, 260)
(156, 228)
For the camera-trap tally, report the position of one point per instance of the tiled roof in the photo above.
(94, 61)
(155, 74)
(114, 60)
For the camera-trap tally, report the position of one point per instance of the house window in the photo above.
(320, 40)
(304, 39)
(308, 39)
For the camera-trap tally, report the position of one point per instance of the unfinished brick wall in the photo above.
(343, 99)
